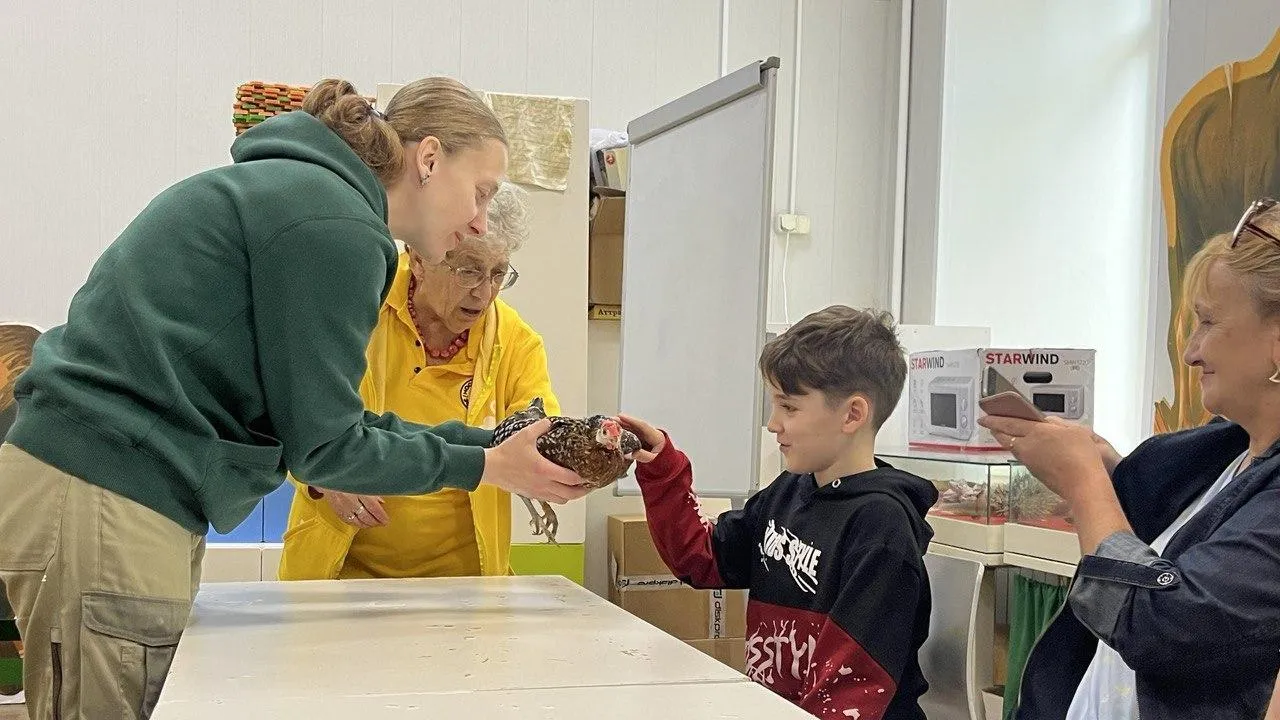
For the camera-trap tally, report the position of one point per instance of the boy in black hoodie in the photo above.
(831, 551)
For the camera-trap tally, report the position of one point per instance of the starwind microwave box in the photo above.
(944, 387)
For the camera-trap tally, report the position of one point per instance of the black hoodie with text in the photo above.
(838, 602)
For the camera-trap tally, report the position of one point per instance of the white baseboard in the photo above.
(240, 562)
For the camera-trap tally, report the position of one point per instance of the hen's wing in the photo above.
(518, 421)
(542, 523)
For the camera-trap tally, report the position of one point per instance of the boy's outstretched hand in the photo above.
(651, 439)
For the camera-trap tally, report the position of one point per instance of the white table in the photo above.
(527, 647)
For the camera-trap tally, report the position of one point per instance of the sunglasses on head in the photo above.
(1247, 222)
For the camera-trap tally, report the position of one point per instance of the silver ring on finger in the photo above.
(351, 517)
(360, 509)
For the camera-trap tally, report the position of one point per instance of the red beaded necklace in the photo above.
(453, 348)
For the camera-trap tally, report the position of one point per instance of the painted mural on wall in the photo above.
(16, 341)
(1220, 152)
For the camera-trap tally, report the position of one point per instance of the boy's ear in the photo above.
(857, 413)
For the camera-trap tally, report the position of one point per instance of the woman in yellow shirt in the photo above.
(445, 348)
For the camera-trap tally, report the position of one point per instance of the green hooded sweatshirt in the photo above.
(220, 340)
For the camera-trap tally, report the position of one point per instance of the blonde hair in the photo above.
(438, 107)
(1255, 260)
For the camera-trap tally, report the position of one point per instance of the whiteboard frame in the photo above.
(758, 76)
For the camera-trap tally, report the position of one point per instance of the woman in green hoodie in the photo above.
(217, 343)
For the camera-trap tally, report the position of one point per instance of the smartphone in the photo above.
(1010, 403)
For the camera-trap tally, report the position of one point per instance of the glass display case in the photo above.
(1040, 526)
(973, 494)
(1035, 505)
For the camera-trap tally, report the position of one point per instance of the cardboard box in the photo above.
(737, 654)
(944, 388)
(641, 584)
(617, 170)
(730, 651)
(604, 276)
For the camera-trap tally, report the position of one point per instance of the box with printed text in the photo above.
(730, 651)
(641, 584)
(944, 388)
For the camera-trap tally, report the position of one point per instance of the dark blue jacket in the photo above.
(1200, 625)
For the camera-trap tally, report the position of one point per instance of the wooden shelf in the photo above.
(986, 559)
(978, 537)
(960, 456)
(1028, 562)
(1053, 545)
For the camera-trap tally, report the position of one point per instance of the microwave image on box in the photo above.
(950, 410)
(945, 386)
(1064, 401)
(1033, 504)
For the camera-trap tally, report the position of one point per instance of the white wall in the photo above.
(126, 100)
(846, 149)
(1047, 174)
(122, 100)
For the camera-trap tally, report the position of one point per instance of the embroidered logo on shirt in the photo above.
(800, 557)
(465, 394)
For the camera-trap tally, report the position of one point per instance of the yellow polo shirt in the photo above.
(450, 532)
(429, 535)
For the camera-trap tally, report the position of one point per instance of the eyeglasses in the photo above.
(469, 278)
(1246, 222)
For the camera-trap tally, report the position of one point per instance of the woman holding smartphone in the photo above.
(1175, 607)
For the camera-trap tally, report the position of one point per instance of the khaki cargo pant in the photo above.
(101, 588)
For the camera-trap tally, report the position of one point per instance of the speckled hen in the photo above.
(597, 448)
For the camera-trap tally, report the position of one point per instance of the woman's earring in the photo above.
(1275, 376)
(425, 178)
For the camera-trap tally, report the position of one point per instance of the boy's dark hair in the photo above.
(840, 351)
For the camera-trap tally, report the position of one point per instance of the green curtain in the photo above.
(10, 658)
(10, 666)
(1033, 605)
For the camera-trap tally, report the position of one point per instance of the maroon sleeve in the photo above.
(848, 682)
(701, 553)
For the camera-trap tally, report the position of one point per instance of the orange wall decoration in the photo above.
(1220, 152)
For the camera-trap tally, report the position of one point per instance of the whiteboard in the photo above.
(694, 283)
